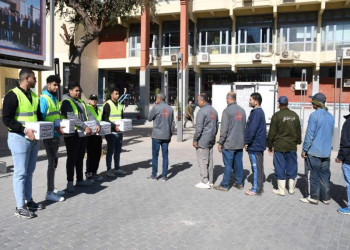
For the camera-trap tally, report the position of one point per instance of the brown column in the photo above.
(184, 32)
(144, 69)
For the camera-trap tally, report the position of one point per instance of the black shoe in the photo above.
(24, 213)
(164, 178)
(35, 206)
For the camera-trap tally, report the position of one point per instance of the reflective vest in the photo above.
(52, 113)
(116, 113)
(26, 111)
(75, 109)
(98, 115)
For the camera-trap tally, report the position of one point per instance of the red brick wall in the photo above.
(326, 87)
(284, 88)
(112, 43)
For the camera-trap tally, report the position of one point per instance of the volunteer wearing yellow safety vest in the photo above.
(74, 108)
(112, 111)
(94, 144)
(50, 110)
(22, 105)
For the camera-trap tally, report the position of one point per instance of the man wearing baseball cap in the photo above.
(284, 135)
(93, 144)
(317, 151)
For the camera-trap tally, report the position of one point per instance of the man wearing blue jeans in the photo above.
(162, 116)
(317, 151)
(21, 105)
(344, 158)
(231, 142)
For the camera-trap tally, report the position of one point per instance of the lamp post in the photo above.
(179, 116)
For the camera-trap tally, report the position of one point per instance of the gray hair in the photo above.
(231, 95)
(161, 95)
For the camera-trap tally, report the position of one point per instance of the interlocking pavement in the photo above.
(133, 212)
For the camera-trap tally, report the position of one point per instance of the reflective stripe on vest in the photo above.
(92, 110)
(52, 113)
(115, 113)
(26, 111)
(75, 109)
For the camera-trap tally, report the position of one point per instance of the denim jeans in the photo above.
(114, 147)
(346, 172)
(233, 161)
(320, 176)
(24, 153)
(156, 144)
(286, 165)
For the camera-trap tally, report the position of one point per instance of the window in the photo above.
(335, 29)
(253, 74)
(254, 34)
(171, 43)
(214, 36)
(297, 31)
(135, 40)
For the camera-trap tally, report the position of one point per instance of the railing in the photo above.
(254, 47)
(215, 49)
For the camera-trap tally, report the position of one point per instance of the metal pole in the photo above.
(179, 116)
(335, 85)
(340, 96)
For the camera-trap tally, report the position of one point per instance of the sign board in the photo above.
(346, 83)
(243, 93)
(23, 29)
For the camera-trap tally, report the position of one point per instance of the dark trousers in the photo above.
(257, 161)
(75, 146)
(51, 147)
(320, 176)
(93, 150)
(286, 165)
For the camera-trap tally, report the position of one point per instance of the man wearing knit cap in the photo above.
(317, 150)
(284, 135)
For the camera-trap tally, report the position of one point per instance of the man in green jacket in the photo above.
(284, 135)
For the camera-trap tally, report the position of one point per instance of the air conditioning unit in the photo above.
(203, 57)
(287, 55)
(346, 53)
(173, 58)
(346, 83)
(150, 59)
(256, 57)
(300, 85)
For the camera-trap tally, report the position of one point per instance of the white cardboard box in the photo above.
(44, 130)
(90, 124)
(68, 125)
(124, 124)
(105, 128)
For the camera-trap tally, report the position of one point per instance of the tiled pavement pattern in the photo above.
(133, 212)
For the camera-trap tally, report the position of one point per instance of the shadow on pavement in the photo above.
(218, 170)
(272, 178)
(177, 168)
(338, 194)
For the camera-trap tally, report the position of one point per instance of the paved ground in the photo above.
(135, 213)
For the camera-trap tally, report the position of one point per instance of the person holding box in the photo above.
(112, 111)
(94, 144)
(22, 105)
(50, 110)
(73, 107)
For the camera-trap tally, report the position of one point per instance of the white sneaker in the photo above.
(110, 173)
(51, 196)
(119, 171)
(202, 185)
(59, 192)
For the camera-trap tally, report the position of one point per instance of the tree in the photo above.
(94, 15)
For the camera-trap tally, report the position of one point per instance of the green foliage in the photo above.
(107, 94)
(157, 91)
(138, 107)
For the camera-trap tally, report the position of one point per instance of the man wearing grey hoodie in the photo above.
(204, 139)
(162, 116)
(74, 108)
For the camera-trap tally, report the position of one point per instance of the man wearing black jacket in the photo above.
(344, 158)
(21, 105)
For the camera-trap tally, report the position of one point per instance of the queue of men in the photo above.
(21, 105)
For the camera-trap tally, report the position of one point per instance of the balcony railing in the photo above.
(254, 47)
(215, 49)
